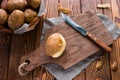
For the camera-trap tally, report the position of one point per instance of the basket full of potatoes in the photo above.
(19, 16)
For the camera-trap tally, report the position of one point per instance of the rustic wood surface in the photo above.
(91, 72)
(76, 43)
(5, 40)
(9, 59)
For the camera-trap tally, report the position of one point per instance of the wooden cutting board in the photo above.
(78, 47)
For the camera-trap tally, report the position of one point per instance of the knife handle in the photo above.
(99, 42)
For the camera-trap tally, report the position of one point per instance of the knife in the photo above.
(84, 32)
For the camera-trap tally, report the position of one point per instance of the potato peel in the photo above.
(63, 9)
(107, 5)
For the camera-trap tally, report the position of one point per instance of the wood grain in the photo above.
(80, 76)
(17, 51)
(38, 32)
(86, 6)
(8, 69)
(67, 4)
(76, 7)
(91, 72)
(108, 12)
(41, 73)
(89, 5)
(21, 45)
(5, 39)
(72, 36)
(114, 56)
(38, 72)
(115, 9)
(51, 7)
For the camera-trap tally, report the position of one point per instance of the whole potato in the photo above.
(4, 4)
(33, 3)
(16, 19)
(3, 16)
(29, 15)
(16, 4)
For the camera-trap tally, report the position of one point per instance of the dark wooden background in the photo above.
(21, 45)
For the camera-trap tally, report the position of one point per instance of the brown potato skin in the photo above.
(3, 16)
(16, 4)
(34, 3)
(16, 19)
(4, 4)
(29, 15)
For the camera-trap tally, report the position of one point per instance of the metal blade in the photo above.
(73, 24)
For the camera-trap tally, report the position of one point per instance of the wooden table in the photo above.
(10, 62)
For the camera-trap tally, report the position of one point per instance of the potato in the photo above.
(4, 4)
(16, 19)
(55, 45)
(16, 4)
(33, 3)
(29, 15)
(3, 16)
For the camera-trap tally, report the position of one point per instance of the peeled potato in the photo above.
(16, 4)
(33, 3)
(55, 45)
(29, 15)
(16, 19)
(3, 16)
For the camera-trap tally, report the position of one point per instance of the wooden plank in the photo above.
(88, 5)
(17, 51)
(67, 4)
(115, 4)
(96, 3)
(80, 76)
(29, 41)
(51, 8)
(5, 41)
(108, 11)
(91, 72)
(41, 73)
(75, 7)
(114, 56)
(38, 32)
(85, 6)
(94, 73)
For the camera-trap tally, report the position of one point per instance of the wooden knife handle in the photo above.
(99, 42)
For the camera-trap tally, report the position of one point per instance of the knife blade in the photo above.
(84, 32)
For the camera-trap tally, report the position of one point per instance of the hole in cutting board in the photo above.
(27, 61)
